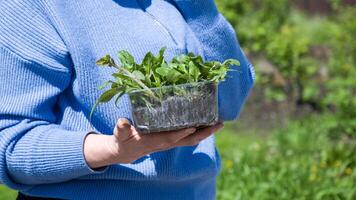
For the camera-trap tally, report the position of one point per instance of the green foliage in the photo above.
(301, 161)
(156, 72)
(255, 20)
(272, 29)
(313, 56)
(341, 85)
(289, 50)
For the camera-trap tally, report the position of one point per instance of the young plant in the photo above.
(155, 72)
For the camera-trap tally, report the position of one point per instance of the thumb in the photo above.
(122, 129)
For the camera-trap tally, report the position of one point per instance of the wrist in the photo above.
(99, 150)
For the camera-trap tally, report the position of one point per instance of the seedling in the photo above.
(155, 81)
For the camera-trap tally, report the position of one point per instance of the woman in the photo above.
(49, 84)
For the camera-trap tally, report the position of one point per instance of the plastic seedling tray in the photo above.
(175, 107)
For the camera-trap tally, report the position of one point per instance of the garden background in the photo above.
(296, 138)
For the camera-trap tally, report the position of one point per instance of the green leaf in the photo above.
(147, 63)
(104, 85)
(231, 62)
(157, 81)
(173, 76)
(106, 61)
(108, 95)
(139, 75)
(126, 58)
(197, 59)
(118, 97)
(194, 71)
(182, 68)
(148, 59)
(181, 59)
(105, 97)
(160, 56)
(163, 71)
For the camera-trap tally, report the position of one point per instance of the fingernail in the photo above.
(123, 120)
(123, 123)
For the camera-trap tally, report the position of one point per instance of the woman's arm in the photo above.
(219, 42)
(34, 71)
(33, 148)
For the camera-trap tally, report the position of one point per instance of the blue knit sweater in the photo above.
(48, 84)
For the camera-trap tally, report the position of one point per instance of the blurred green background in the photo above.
(296, 138)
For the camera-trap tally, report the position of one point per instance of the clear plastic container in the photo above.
(175, 107)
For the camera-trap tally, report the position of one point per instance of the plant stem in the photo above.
(128, 73)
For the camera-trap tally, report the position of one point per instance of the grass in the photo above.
(6, 194)
(302, 161)
(297, 162)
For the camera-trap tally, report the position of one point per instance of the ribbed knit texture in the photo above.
(49, 82)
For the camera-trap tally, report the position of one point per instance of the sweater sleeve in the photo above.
(34, 72)
(219, 42)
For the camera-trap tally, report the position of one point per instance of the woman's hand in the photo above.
(127, 145)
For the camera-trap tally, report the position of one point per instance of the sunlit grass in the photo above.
(298, 162)
(6, 194)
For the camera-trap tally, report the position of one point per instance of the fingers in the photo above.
(200, 135)
(134, 145)
(164, 140)
(186, 137)
(174, 136)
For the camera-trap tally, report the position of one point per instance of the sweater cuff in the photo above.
(69, 151)
(56, 157)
